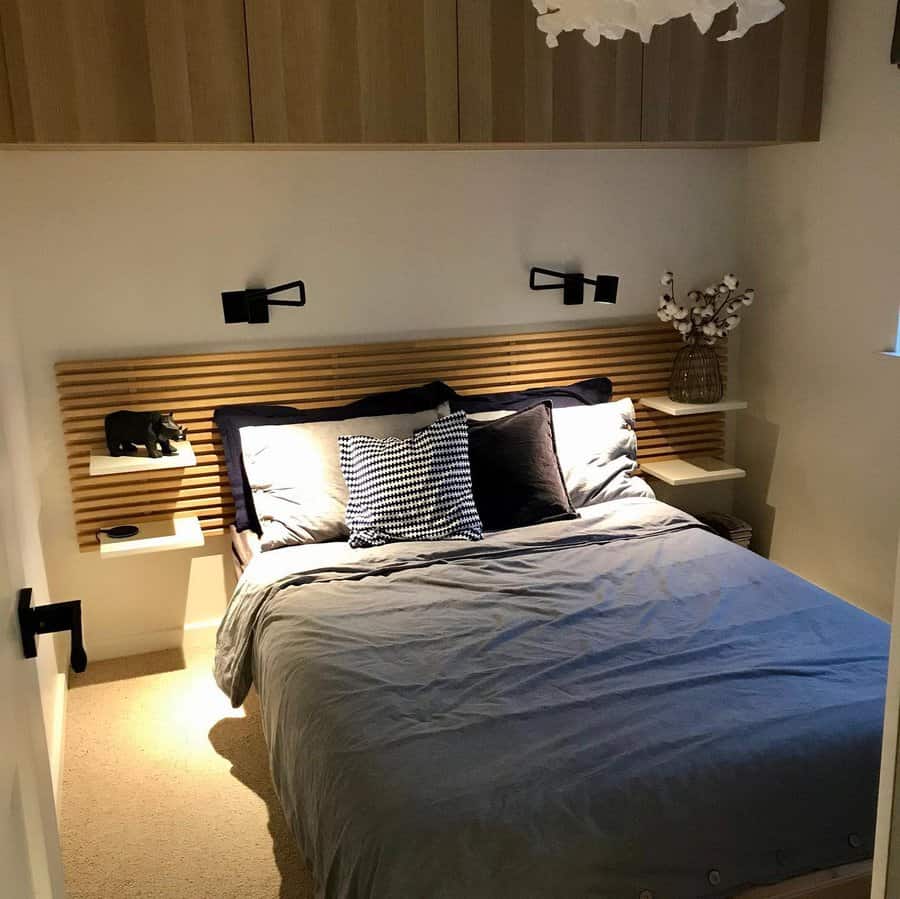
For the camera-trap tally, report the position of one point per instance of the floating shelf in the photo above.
(155, 535)
(696, 470)
(670, 407)
(102, 463)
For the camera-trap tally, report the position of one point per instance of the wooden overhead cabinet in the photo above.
(344, 71)
(765, 86)
(394, 71)
(124, 70)
(514, 88)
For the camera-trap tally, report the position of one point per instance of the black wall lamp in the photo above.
(606, 287)
(252, 305)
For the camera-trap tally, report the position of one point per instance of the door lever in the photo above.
(50, 619)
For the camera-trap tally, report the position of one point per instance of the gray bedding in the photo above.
(582, 709)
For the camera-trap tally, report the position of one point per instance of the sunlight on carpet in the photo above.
(166, 789)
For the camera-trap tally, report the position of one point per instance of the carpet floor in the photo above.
(166, 789)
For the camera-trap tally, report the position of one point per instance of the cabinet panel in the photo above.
(126, 70)
(353, 70)
(765, 86)
(514, 88)
(6, 118)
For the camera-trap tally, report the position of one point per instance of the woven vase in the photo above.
(696, 376)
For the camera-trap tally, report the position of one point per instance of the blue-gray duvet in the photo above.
(594, 708)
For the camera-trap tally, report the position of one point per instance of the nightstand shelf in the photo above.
(102, 463)
(695, 470)
(670, 407)
(155, 535)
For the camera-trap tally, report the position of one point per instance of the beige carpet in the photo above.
(166, 789)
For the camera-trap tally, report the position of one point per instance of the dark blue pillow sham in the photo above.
(590, 392)
(230, 419)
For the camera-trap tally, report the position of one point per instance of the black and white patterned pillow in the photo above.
(419, 488)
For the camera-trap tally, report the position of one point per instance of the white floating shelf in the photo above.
(670, 407)
(102, 463)
(155, 535)
(696, 470)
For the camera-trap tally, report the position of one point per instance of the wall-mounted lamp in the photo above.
(606, 287)
(252, 305)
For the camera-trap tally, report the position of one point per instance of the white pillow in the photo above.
(597, 451)
(295, 473)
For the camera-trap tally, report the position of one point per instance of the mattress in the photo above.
(244, 546)
(617, 705)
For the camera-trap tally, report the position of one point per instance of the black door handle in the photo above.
(49, 619)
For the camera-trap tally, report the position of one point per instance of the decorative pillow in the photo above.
(414, 489)
(582, 393)
(516, 478)
(597, 450)
(230, 419)
(295, 477)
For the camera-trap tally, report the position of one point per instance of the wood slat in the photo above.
(637, 357)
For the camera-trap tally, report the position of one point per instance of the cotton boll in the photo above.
(749, 297)
(733, 307)
(710, 291)
(684, 327)
(663, 316)
(732, 322)
(694, 296)
(681, 312)
(667, 279)
(709, 329)
(708, 311)
(731, 282)
(722, 288)
(696, 312)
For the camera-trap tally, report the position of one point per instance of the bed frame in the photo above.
(845, 882)
(638, 359)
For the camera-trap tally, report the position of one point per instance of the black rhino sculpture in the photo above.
(125, 431)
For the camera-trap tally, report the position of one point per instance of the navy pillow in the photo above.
(230, 419)
(591, 392)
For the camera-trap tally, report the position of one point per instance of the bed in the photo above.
(619, 705)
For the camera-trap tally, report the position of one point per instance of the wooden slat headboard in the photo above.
(637, 358)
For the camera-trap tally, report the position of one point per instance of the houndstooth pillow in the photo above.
(419, 488)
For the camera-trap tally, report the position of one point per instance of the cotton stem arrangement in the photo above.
(708, 315)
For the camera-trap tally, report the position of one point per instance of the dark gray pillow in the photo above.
(516, 478)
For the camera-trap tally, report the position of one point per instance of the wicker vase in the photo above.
(696, 377)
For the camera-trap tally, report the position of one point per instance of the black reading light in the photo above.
(606, 287)
(252, 305)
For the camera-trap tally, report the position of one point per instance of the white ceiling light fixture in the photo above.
(612, 18)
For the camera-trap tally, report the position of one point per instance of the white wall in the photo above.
(124, 252)
(19, 526)
(821, 440)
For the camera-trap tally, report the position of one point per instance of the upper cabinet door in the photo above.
(514, 88)
(353, 71)
(125, 70)
(7, 127)
(765, 86)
